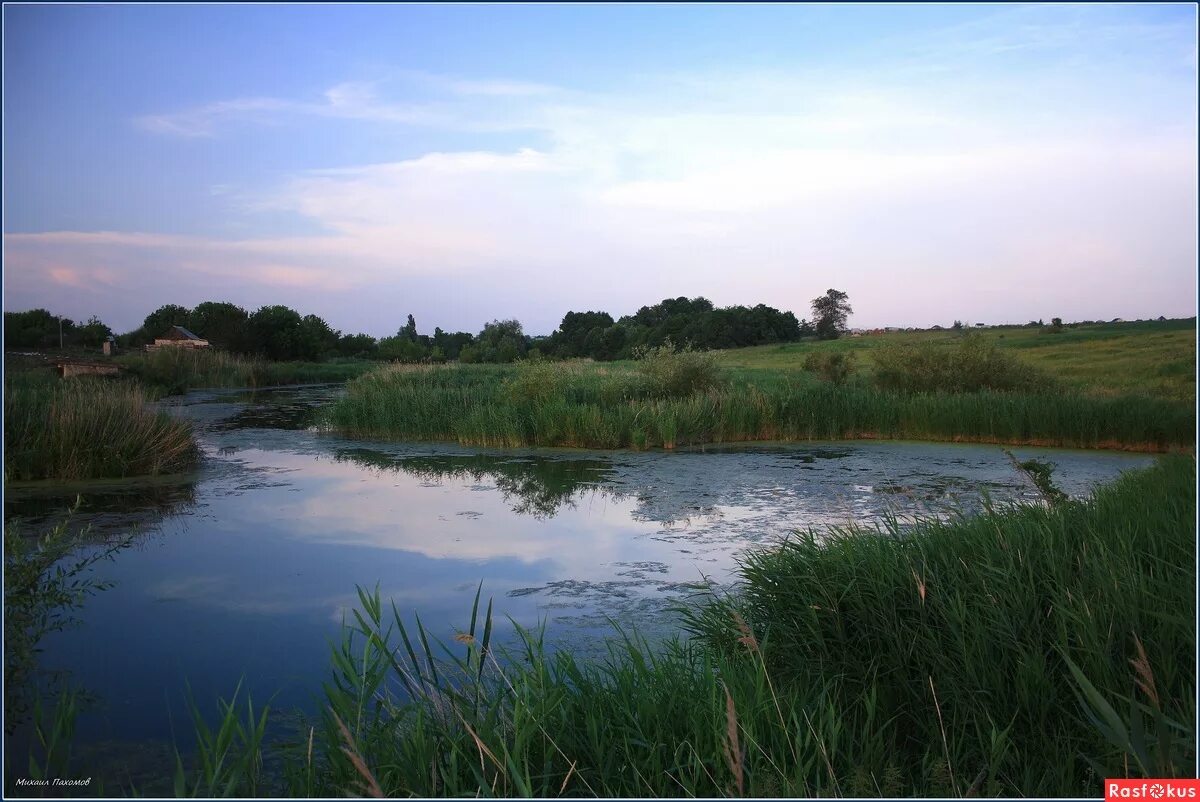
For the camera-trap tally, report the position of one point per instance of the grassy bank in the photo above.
(88, 429)
(617, 406)
(1149, 358)
(1025, 652)
(171, 371)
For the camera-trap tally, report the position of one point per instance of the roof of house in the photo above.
(179, 333)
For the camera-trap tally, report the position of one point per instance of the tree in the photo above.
(409, 330)
(831, 312)
(501, 341)
(160, 321)
(317, 339)
(362, 346)
(92, 333)
(277, 333)
(221, 323)
(36, 328)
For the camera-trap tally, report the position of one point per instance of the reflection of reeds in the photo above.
(828, 675)
(82, 429)
(579, 405)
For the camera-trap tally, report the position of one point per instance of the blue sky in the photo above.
(988, 163)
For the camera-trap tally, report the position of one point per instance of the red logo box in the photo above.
(1152, 790)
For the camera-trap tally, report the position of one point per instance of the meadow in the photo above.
(952, 388)
(1149, 358)
(1027, 651)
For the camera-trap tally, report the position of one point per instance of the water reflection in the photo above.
(537, 487)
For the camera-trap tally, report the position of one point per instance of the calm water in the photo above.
(247, 569)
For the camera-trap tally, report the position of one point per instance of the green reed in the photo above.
(176, 370)
(85, 428)
(613, 406)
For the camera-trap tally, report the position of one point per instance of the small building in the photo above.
(178, 337)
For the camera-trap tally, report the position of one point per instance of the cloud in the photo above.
(936, 190)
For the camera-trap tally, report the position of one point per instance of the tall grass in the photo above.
(86, 429)
(176, 370)
(613, 406)
(1030, 651)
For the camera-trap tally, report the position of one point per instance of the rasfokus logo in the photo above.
(1151, 789)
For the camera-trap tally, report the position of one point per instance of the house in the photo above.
(178, 337)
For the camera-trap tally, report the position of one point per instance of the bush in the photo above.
(973, 364)
(536, 380)
(832, 366)
(672, 373)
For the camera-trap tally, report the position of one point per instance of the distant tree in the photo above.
(958, 325)
(36, 328)
(451, 343)
(360, 346)
(92, 333)
(278, 333)
(502, 341)
(571, 338)
(317, 339)
(160, 321)
(221, 323)
(831, 311)
(401, 349)
(409, 330)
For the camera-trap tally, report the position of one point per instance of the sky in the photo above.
(463, 163)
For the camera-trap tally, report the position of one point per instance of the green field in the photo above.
(1151, 358)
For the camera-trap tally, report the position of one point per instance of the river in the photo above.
(245, 570)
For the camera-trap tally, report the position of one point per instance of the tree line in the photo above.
(280, 333)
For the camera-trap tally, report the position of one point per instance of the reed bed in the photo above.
(88, 429)
(614, 406)
(1030, 651)
(171, 371)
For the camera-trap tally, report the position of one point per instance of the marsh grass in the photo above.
(1028, 651)
(580, 404)
(86, 428)
(169, 371)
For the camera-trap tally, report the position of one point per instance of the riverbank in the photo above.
(589, 405)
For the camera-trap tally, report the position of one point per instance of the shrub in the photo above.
(971, 365)
(832, 366)
(675, 373)
(536, 380)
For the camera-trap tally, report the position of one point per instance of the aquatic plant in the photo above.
(170, 371)
(610, 406)
(88, 428)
